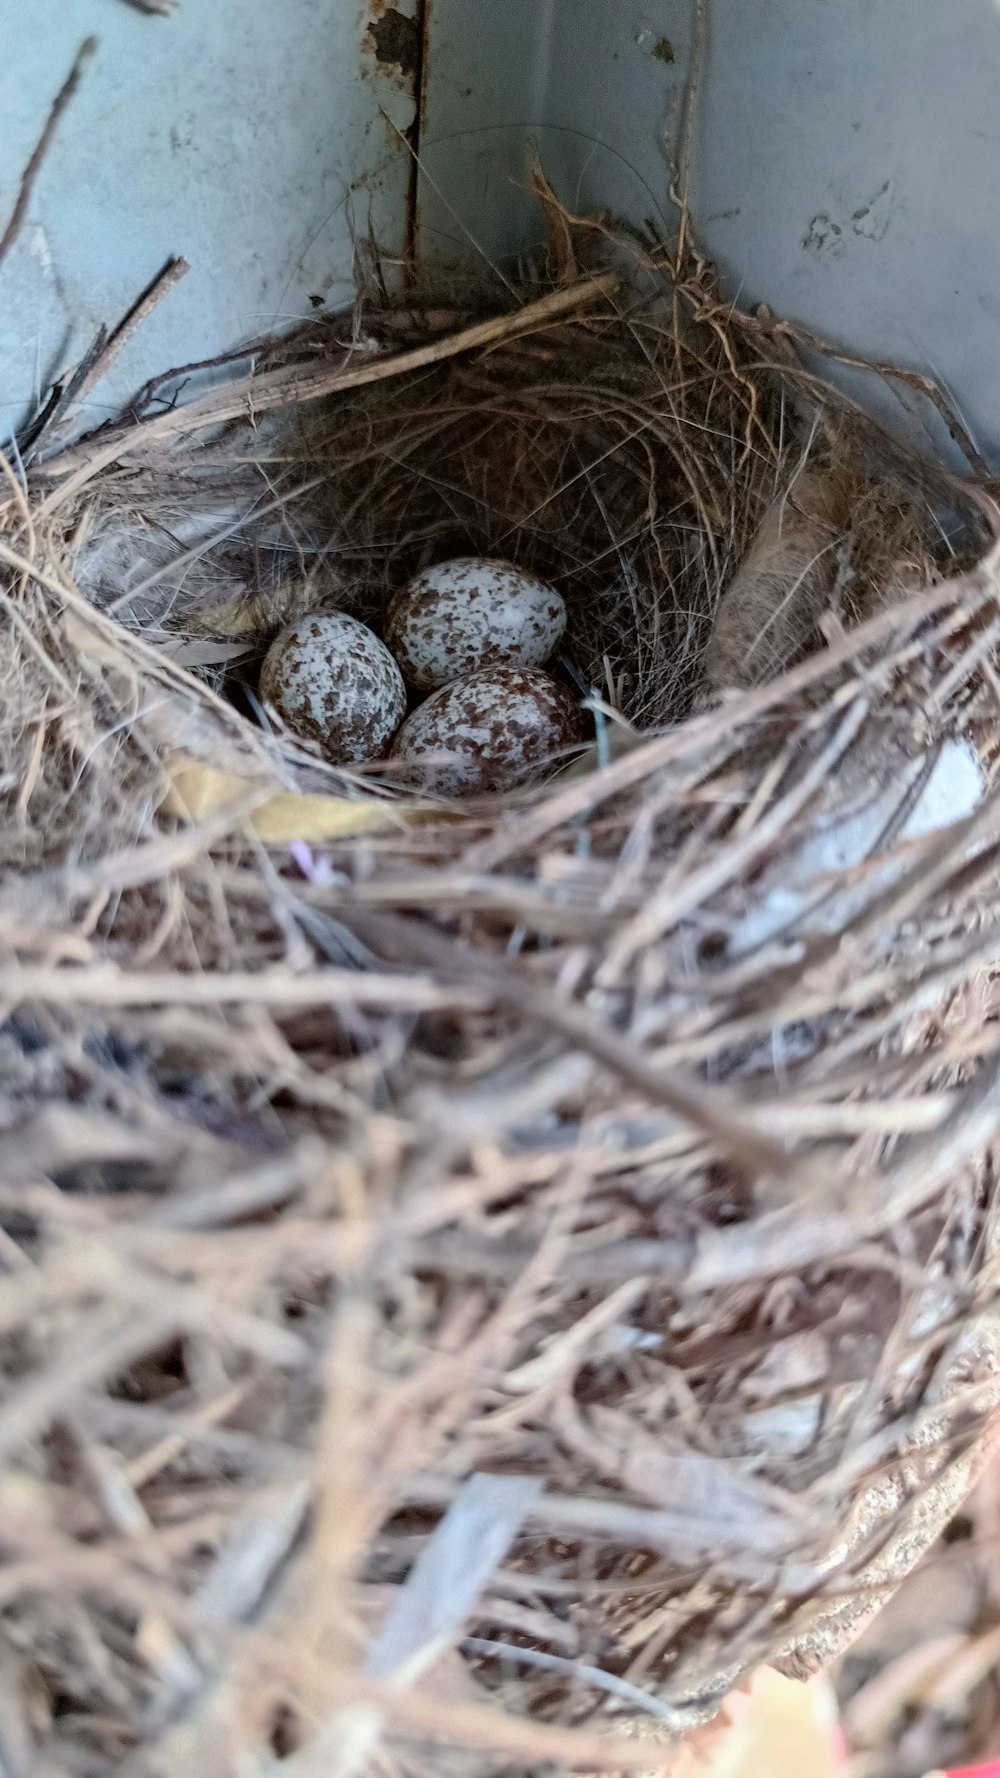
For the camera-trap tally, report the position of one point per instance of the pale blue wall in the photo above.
(812, 111)
(246, 134)
(231, 133)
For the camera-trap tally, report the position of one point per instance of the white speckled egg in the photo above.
(472, 613)
(491, 731)
(333, 682)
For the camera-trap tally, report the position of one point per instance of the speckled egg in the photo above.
(490, 731)
(334, 683)
(472, 613)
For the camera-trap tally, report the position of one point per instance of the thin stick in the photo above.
(705, 1108)
(482, 1725)
(585, 794)
(278, 388)
(890, 373)
(60, 396)
(106, 985)
(161, 286)
(687, 140)
(595, 1676)
(63, 99)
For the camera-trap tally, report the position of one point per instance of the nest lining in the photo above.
(629, 460)
(465, 1146)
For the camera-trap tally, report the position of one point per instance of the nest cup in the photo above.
(479, 1281)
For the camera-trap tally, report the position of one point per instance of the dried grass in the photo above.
(480, 1145)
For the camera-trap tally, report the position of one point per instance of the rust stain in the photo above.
(420, 85)
(397, 41)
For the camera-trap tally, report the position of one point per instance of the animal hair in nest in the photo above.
(834, 542)
(336, 1179)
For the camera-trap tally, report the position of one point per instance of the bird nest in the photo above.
(478, 1278)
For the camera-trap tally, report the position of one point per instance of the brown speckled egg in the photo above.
(472, 613)
(333, 682)
(491, 731)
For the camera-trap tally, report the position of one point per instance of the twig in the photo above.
(440, 1592)
(220, 361)
(671, 1529)
(578, 1670)
(449, 1574)
(705, 1108)
(99, 361)
(60, 397)
(581, 796)
(280, 388)
(63, 99)
(105, 985)
(687, 139)
(484, 1726)
(890, 373)
(157, 9)
(257, 1544)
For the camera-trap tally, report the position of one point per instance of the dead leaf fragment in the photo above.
(200, 792)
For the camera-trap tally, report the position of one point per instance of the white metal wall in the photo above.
(847, 168)
(848, 155)
(247, 135)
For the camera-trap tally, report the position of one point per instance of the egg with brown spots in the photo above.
(472, 613)
(489, 732)
(334, 683)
